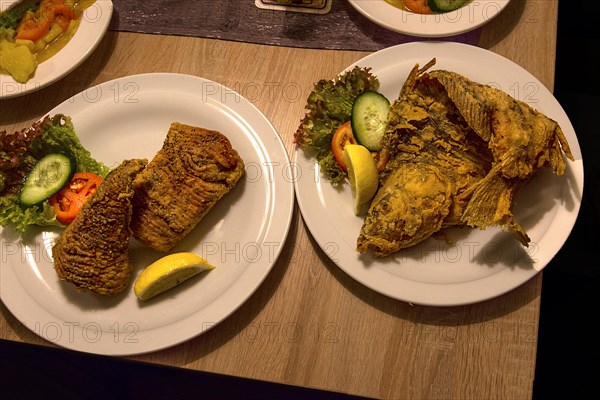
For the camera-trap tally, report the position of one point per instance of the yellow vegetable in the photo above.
(17, 60)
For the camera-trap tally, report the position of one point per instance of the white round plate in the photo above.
(481, 264)
(94, 24)
(242, 235)
(467, 18)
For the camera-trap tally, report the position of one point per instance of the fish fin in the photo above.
(490, 204)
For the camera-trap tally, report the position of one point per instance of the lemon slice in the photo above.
(168, 272)
(362, 173)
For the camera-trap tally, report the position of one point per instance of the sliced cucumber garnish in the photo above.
(369, 119)
(445, 5)
(46, 178)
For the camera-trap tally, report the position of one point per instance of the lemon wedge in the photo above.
(168, 272)
(362, 173)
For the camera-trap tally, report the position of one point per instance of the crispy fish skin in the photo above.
(435, 158)
(92, 251)
(522, 140)
(193, 170)
(411, 205)
(482, 142)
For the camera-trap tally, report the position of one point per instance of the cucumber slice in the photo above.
(369, 119)
(445, 5)
(46, 178)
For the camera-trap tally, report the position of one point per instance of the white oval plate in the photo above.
(242, 235)
(94, 24)
(467, 18)
(482, 264)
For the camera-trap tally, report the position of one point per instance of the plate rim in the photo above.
(21, 308)
(429, 26)
(323, 233)
(81, 38)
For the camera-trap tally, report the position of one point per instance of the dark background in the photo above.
(568, 338)
(567, 342)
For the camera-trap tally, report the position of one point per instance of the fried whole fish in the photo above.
(460, 152)
(521, 139)
(434, 158)
(92, 251)
(193, 170)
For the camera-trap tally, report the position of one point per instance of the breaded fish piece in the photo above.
(521, 139)
(446, 129)
(411, 205)
(435, 157)
(194, 169)
(92, 251)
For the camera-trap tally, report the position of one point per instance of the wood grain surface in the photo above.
(309, 323)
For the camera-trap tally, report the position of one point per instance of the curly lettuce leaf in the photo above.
(58, 136)
(329, 105)
(11, 213)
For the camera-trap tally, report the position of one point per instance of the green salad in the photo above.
(329, 106)
(20, 152)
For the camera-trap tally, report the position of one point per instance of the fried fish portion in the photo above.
(477, 139)
(193, 170)
(92, 251)
(521, 139)
(435, 157)
(411, 205)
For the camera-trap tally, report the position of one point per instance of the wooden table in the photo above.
(346, 337)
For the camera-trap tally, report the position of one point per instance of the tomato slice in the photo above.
(342, 136)
(67, 203)
(34, 25)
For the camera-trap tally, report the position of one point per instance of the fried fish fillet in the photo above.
(435, 158)
(194, 169)
(445, 129)
(92, 251)
(411, 205)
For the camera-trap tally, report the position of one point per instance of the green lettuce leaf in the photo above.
(329, 105)
(10, 19)
(58, 136)
(11, 213)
